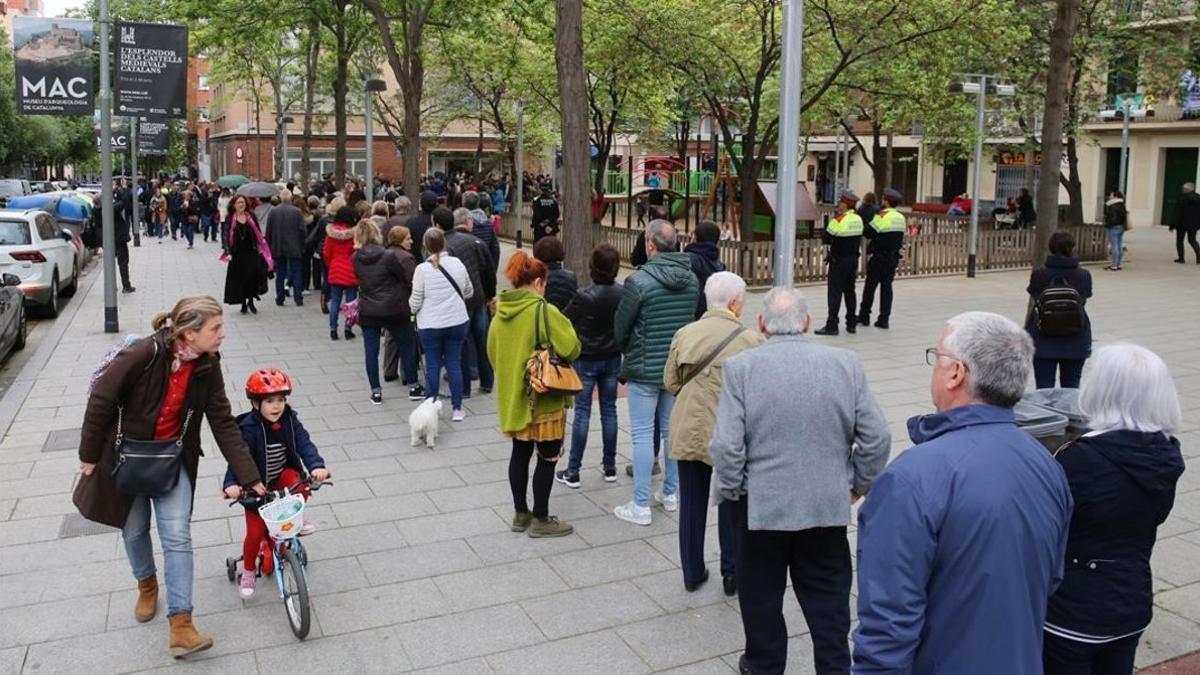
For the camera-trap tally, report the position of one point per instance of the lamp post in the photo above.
(109, 235)
(283, 122)
(519, 179)
(789, 141)
(373, 86)
(980, 90)
(1125, 113)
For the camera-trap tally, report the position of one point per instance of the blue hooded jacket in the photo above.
(302, 454)
(960, 543)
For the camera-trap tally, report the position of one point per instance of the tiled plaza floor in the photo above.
(414, 566)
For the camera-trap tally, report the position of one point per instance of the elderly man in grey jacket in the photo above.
(799, 438)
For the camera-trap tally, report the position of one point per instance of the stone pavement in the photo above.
(414, 567)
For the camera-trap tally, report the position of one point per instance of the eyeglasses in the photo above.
(932, 355)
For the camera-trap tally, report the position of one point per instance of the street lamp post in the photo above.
(1125, 113)
(372, 87)
(980, 89)
(109, 240)
(789, 141)
(283, 122)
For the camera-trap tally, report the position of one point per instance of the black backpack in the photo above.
(1058, 311)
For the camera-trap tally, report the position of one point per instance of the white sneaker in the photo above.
(458, 416)
(632, 513)
(669, 502)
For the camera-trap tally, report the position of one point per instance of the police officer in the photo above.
(545, 214)
(886, 234)
(844, 236)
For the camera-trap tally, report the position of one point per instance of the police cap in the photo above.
(893, 195)
(849, 197)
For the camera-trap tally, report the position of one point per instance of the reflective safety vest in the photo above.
(848, 224)
(889, 220)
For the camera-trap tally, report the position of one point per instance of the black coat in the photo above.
(246, 274)
(1187, 212)
(418, 225)
(1123, 486)
(286, 233)
(384, 284)
(1057, 268)
(475, 257)
(706, 261)
(1115, 213)
(560, 286)
(593, 312)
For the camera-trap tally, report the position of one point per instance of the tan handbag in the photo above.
(546, 372)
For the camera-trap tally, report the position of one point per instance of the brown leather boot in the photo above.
(324, 304)
(147, 602)
(185, 640)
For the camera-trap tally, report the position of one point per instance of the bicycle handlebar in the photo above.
(251, 500)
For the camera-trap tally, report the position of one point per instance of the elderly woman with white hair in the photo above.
(1122, 477)
(693, 376)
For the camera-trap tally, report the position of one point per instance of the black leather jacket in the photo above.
(593, 312)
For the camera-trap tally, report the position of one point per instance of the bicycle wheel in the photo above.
(295, 592)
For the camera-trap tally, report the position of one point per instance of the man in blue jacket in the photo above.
(962, 539)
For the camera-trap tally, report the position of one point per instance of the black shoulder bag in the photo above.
(149, 468)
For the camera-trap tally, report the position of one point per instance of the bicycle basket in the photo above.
(283, 516)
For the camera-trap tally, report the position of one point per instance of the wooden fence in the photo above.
(936, 253)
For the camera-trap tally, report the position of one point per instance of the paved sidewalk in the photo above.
(413, 566)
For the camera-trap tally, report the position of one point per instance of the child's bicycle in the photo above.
(283, 512)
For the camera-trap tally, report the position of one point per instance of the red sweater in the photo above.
(338, 253)
(170, 416)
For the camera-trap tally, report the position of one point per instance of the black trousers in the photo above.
(543, 474)
(1061, 656)
(1069, 371)
(818, 561)
(1180, 233)
(123, 263)
(695, 477)
(840, 284)
(881, 270)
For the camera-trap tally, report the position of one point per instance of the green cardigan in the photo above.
(511, 342)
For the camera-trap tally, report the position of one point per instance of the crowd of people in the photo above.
(978, 551)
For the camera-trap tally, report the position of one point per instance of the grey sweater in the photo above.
(790, 415)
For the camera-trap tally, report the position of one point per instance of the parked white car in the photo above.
(36, 249)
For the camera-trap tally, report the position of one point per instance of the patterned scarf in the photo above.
(183, 354)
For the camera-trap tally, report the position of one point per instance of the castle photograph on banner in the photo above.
(54, 65)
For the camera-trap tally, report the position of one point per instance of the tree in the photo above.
(572, 92)
(1057, 82)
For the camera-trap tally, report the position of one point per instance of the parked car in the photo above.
(72, 211)
(12, 315)
(13, 187)
(40, 186)
(42, 254)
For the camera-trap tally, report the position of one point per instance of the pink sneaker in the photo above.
(246, 587)
(307, 528)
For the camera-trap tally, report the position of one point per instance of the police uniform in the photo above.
(886, 234)
(545, 216)
(844, 236)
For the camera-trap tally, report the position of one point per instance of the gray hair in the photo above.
(403, 206)
(662, 233)
(784, 312)
(1130, 387)
(997, 352)
(1189, 187)
(470, 199)
(462, 216)
(723, 288)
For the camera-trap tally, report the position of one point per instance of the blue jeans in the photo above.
(600, 374)
(206, 226)
(175, 219)
(336, 295)
(289, 269)
(444, 347)
(408, 353)
(174, 514)
(1116, 235)
(477, 331)
(189, 232)
(647, 403)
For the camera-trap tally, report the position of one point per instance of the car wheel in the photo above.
(69, 289)
(19, 342)
(51, 306)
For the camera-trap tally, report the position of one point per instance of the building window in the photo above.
(203, 83)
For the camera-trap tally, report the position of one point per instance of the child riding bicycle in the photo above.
(284, 454)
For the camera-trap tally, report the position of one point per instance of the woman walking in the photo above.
(337, 252)
(592, 313)
(1116, 221)
(1122, 477)
(441, 286)
(1062, 353)
(534, 422)
(385, 279)
(191, 216)
(249, 257)
(158, 388)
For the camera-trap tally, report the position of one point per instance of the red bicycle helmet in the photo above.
(266, 382)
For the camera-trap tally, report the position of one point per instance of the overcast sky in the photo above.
(59, 7)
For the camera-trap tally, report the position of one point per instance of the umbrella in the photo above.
(259, 190)
(233, 180)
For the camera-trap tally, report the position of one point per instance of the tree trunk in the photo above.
(311, 56)
(258, 174)
(1057, 81)
(889, 159)
(1030, 152)
(412, 92)
(573, 101)
(1073, 184)
(280, 162)
(340, 91)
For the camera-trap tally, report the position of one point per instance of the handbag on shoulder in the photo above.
(149, 468)
(546, 372)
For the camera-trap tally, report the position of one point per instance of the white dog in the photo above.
(424, 422)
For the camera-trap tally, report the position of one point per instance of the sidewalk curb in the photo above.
(16, 394)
